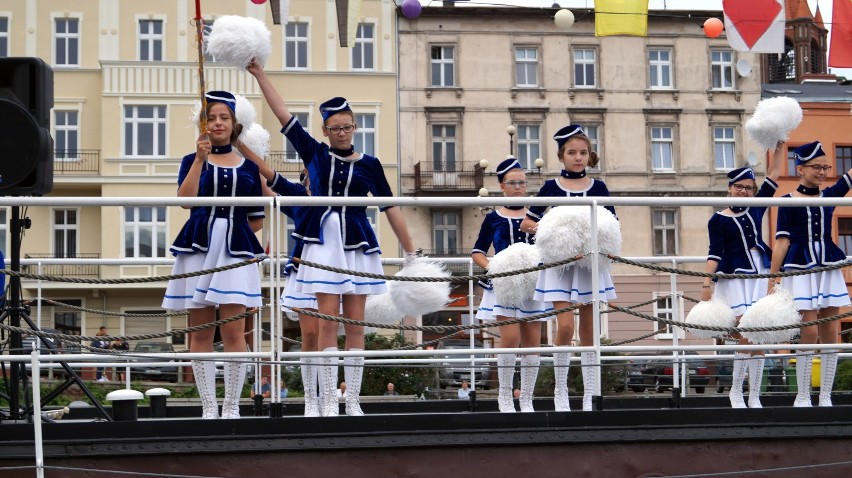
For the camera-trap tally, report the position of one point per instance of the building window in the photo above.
(665, 232)
(290, 154)
(842, 159)
(443, 66)
(65, 233)
(446, 232)
(365, 135)
(660, 68)
(68, 322)
(4, 37)
(791, 161)
(150, 40)
(67, 38)
(664, 308)
(4, 229)
(144, 131)
(296, 46)
(662, 157)
(722, 69)
(844, 234)
(584, 68)
(593, 133)
(444, 147)
(66, 135)
(723, 148)
(144, 232)
(529, 145)
(526, 67)
(363, 51)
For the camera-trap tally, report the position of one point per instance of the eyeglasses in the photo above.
(516, 184)
(817, 167)
(742, 187)
(347, 128)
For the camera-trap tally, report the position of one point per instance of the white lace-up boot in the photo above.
(828, 368)
(505, 377)
(205, 381)
(755, 379)
(328, 385)
(353, 371)
(309, 384)
(803, 379)
(235, 376)
(561, 364)
(529, 373)
(587, 359)
(737, 377)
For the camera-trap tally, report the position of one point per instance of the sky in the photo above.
(825, 7)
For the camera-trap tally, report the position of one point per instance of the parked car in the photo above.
(773, 373)
(454, 373)
(633, 372)
(32, 342)
(168, 371)
(657, 374)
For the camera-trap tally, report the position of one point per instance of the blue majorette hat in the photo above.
(333, 106)
(740, 174)
(507, 165)
(566, 133)
(807, 152)
(222, 97)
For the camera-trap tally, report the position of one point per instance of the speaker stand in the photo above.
(15, 312)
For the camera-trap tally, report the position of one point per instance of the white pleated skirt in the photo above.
(234, 286)
(817, 291)
(740, 294)
(489, 310)
(573, 284)
(310, 280)
(293, 298)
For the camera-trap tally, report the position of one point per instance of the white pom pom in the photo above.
(194, 115)
(562, 233)
(246, 114)
(565, 231)
(776, 309)
(712, 313)
(256, 139)
(381, 310)
(512, 291)
(236, 40)
(773, 119)
(419, 298)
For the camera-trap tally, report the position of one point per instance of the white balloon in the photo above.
(564, 19)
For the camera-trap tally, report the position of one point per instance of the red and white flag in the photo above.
(840, 51)
(756, 26)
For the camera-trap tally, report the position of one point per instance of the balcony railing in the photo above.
(65, 270)
(76, 161)
(462, 176)
(287, 163)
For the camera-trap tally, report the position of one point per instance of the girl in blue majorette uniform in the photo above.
(339, 236)
(737, 247)
(502, 228)
(213, 237)
(290, 297)
(572, 284)
(803, 241)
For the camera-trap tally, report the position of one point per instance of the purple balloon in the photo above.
(411, 8)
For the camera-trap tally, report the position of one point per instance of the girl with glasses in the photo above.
(214, 237)
(337, 236)
(737, 247)
(803, 241)
(572, 283)
(502, 228)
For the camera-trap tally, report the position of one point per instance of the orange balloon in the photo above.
(713, 27)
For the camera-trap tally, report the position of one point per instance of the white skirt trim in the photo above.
(489, 311)
(740, 294)
(234, 286)
(818, 291)
(572, 284)
(293, 298)
(311, 281)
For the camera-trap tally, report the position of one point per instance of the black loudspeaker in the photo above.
(26, 148)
